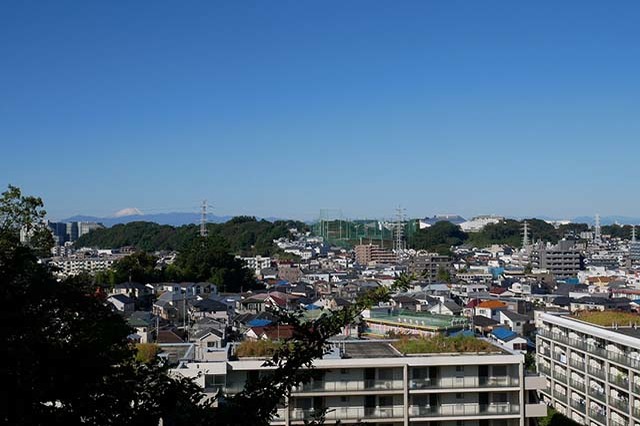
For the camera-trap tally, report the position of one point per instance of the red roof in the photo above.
(274, 332)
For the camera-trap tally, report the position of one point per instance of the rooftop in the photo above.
(608, 318)
(440, 344)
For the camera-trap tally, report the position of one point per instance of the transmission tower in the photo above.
(598, 230)
(525, 235)
(399, 243)
(203, 219)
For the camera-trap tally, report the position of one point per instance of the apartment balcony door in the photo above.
(369, 404)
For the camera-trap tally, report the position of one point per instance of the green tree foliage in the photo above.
(618, 231)
(24, 213)
(554, 418)
(65, 357)
(443, 275)
(137, 267)
(244, 235)
(439, 237)
(208, 259)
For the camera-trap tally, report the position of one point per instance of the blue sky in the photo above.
(284, 108)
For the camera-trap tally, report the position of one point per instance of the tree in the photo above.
(443, 275)
(439, 237)
(65, 356)
(208, 259)
(137, 267)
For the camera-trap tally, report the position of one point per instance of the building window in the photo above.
(459, 396)
(459, 368)
(214, 380)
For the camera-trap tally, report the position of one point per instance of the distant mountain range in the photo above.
(173, 219)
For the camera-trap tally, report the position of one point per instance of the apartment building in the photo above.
(367, 254)
(427, 265)
(592, 372)
(563, 260)
(371, 382)
(74, 265)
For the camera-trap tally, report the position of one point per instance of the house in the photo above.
(122, 303)
(144, 324)
(483, 325)
(131, 289)
(405, 302)
(209, 308)
(172, 306)
(270, 332)
(207, 341)
(489, 308)
(513, 321)
(510, 339)
(448, 307)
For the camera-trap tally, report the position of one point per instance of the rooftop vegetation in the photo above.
(256, 348)
(442, 344)
(608, 318)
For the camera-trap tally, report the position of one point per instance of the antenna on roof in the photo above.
(525, 235)
(597, 230)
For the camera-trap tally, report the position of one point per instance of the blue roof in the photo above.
(259, 323)
(312, 307)
(282, 282)
(503, 334)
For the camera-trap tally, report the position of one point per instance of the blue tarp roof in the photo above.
(282, 282)
(312, 307)
(503, 334)
(259, 323)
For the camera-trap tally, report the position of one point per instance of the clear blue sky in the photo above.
(284, 108)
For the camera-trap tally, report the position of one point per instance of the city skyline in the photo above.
(515, 110)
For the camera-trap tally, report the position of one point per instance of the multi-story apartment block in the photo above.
(367, 254)
(371, 382)
(256, 263)
(427, 265)
(74, 265)
(592, 372)
(563, 260)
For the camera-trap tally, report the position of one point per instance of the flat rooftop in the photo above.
(609, 318)
(369, 349)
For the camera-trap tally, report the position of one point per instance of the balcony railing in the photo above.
(597, 394)
(559, 376)
(620, 358)
(620, 404)
(544, 370)
(333, 414)
(618, 423)
(577, 364)
(636, 387)
(636, 412)
(598, 372)
(577, 385)
(463, 382)
(464, 410)
(598, 415)
(578, 406)
(545, 351)
(349, 386)
(620, 380)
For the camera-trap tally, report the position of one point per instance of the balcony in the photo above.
(620, 404)
(545, 351)
(577, 385)
(636, 412)
(534, 382)
(598, 394)
(581, 407)
(619, 380)
(463, 382)
(457, 410)
(560, 376)
(597, 372)
(560, 394)
(351, 413)
(636, 387)
(575, 363)
(598, 415)
(618, 423)
(620, 358)
(544, 370)
(349, 386)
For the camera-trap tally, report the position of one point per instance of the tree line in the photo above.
(443, 235)
(244, 235)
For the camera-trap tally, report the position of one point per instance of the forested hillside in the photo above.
(443, 235)
(244, 235)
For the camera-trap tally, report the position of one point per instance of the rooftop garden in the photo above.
(608, 318)
(256, 348)
(442, 344)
